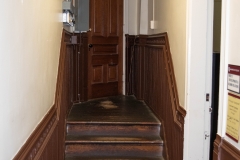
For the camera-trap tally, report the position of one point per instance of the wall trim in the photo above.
(224, 150)
(37, 141)
(150, 77)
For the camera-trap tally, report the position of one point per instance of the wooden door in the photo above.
(105, 48)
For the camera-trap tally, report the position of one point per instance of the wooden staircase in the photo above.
(113, 128)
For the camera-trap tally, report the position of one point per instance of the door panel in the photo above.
(97, 74)
(112, 73)
(104, 59)
(105, 53)
(97, 17)
(105, 49)
(109, 89)
(113, 23)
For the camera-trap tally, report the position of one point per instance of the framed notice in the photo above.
(234, 78)
(233, 117)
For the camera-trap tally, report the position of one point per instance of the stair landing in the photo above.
(118, 109)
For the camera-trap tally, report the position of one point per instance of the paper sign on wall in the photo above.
(234, 78)
(233, 117)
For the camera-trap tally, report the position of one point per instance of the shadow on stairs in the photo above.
(119, 127)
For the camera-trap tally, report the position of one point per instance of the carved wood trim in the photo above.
(224, 150)
(36, 143)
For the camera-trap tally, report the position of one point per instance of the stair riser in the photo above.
(145, 150)
(113, 130)
(113, 158)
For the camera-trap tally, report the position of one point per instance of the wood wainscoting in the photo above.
(150, 77)
(41, 144)
(47, 142)
(223, 150)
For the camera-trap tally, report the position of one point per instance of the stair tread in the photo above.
(112, 110)
(112, 158)
(113, 122)
(113, 139)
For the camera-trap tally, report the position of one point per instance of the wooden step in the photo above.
(112, 158)
(76, 139)
(113, 129)
(114, 149)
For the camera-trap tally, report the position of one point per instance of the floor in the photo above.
(118, 109)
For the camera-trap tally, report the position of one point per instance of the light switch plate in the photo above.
(153, 24)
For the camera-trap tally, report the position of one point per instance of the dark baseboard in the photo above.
(224, 150)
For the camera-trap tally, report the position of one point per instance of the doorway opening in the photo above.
(215, 72)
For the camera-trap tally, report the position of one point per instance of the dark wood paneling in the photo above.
(150, 77)
(224, 150)
(78, 52)
(64, 94)
(83, 64)
(48, 139)
(128, 63)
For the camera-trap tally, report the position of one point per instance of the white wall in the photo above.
(199, 64)
(29, 50)
(171, 17)
(133, 15)
(229, 55)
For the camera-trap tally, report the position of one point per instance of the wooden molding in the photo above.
(37, 141)
(150, 77)
(216, 147)
(224, 150)
(63, 99)
(178, 111)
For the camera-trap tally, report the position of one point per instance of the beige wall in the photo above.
(133, 16)
(171, 17)
(229, 55)
(29, 50)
